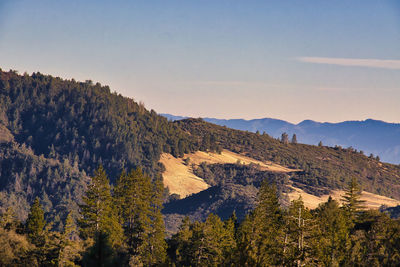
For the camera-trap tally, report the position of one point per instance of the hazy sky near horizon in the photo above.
(292, 60)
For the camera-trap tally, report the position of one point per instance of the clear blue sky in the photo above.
(293, 60)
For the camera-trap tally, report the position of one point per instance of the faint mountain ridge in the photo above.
(371, 136)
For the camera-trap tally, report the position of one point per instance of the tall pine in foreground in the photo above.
(209, 243)
(351, 200)
(299, 234)
(261, 235)
(98, 211)
(139, 204)
(332, 233)
(35, 223)
(70, 246)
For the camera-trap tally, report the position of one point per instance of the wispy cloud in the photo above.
(353, 62)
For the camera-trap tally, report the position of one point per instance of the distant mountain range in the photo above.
(371, 136)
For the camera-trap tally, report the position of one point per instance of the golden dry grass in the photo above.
(179, 178)
(372, 201)
(227, 156)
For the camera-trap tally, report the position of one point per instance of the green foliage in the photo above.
(35, 222)
(268, 236)
(261, 236)
(323, 168)
(25, 176)
(54, 131)
(333, 234)
(101, 253)
(299, 232)
(139, 204)
(210, 243)
(70, 245)
(351, 200)
(98, 212)
(87, 124)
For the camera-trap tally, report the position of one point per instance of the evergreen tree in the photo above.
(261, 236)
(70, 244)
(98, 212)
(285, 138)
(49, 253)
(209, 243)
(299, 227)
(179, 244)
(294, 139)
(332, 234)
(156, 241)
(101, 253)
(35, 223)
(351, 200)
(140, 206)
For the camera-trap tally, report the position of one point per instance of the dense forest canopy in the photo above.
(86, 123)
(55, 132)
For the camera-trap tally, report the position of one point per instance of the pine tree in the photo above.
(156, 244)
(261, 236)
(35, 222)
(69, 245)
(98, 212)
(140, 205)
(209, 243)
(331, 240)
(179, 248)
(101, 253)
(294, 139)
(285, 138)
(351, 200)
(299, 227)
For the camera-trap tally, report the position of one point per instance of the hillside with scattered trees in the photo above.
(323, 167)
(81, 184)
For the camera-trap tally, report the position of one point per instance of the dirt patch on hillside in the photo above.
(372, 201)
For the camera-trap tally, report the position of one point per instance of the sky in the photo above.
(292, 60)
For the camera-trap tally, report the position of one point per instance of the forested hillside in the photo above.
(323, 167)
(57, 210)
(372, 136)
(81, 125)
(86, 123)
(54, 132)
